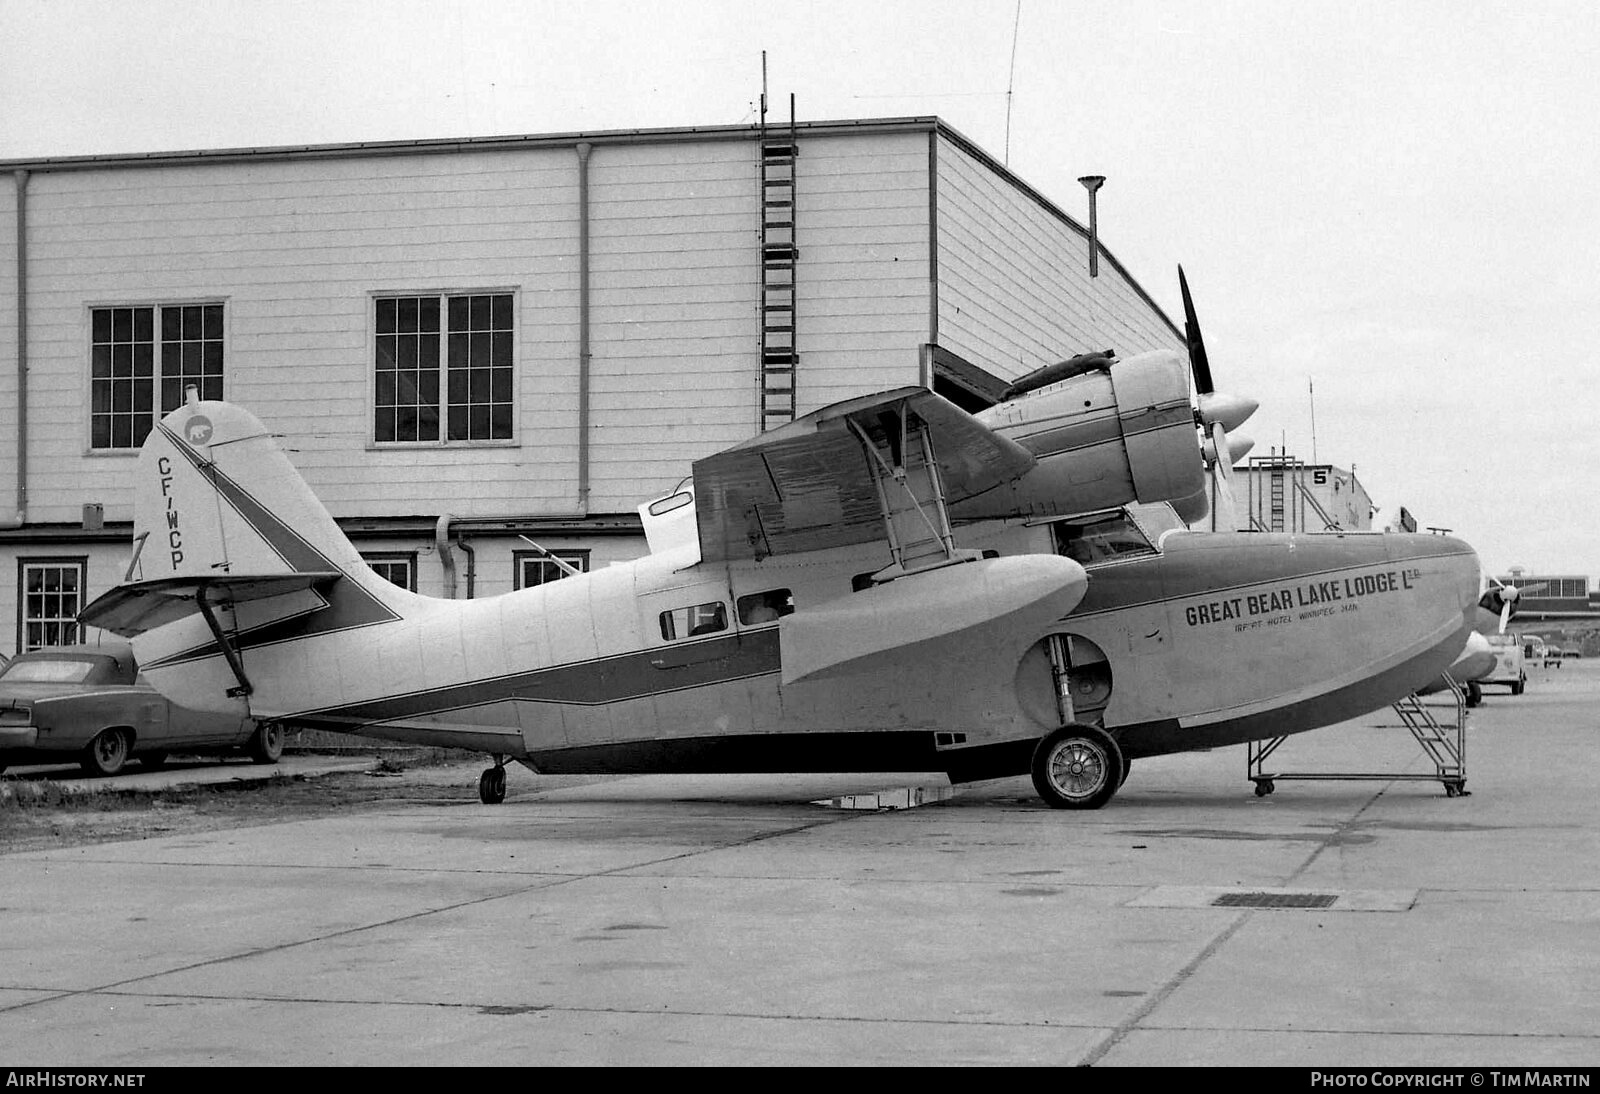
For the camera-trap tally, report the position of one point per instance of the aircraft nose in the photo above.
(1459, 562)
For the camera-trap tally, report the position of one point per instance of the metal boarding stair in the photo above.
(1445, 744)
(780, 256)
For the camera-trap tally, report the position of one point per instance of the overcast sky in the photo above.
(1396, 202)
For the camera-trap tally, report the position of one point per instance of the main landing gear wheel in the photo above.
(1474, 693)
(492, 785)
(1264, 787)
(1077, 767)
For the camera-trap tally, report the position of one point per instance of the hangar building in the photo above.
(466, 342)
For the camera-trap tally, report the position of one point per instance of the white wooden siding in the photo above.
(296, 250)
(862, 298)
(1014, 285)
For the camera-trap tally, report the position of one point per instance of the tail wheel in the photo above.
(1077, 767)
(492, 785)
(108, 752)
(266, 744)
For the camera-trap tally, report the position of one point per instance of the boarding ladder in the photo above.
(1445, 744)
(780, 356)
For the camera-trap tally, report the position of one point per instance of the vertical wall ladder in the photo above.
(780, 355)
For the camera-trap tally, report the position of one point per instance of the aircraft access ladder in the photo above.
(1445, 744)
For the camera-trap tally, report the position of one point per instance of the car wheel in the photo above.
(266, 745)
(108, 752)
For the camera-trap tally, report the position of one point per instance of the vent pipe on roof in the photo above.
(1092, 183)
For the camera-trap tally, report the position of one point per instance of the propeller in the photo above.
(1218, 414)
(1508, 596)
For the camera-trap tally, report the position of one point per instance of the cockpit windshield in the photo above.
(1102, 537)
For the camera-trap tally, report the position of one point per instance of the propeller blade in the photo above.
(1223, 518)
(1505, 614)
(1198, 363)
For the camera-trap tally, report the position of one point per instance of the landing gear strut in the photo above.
(492, 783)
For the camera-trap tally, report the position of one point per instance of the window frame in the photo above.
(24, 563)
(158, 344)
(374, 559)
(443, 296)
(572, 556)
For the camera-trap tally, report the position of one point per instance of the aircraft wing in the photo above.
(811, 484)
(132, 609)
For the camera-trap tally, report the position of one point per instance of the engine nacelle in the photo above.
(1103, 438)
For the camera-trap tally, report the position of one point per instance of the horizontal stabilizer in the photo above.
(133, 609)
(933, 616)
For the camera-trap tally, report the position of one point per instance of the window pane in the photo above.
(49, 616)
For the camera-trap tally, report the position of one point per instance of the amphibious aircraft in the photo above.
(1479, 658)
(887, 584)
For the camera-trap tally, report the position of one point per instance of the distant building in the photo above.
(463, 342)
(1278, 493)
(1553, 597)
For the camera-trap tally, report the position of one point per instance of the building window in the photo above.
(470, 338)
(398, 567)
(50, 595)
(138, 352)
(534, 568)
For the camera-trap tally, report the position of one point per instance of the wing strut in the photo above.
(910, 493)
(204, 602)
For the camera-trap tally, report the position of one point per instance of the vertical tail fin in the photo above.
(214, 496)
(232, 552)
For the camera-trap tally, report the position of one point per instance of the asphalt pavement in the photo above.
(732, 920)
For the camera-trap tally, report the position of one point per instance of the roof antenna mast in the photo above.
(1011, 80)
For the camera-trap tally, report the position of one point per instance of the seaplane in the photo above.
(1480, 657)
(887, 584)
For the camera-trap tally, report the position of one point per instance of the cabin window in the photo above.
(396, 567)
(1100, 538)
(443, 368)
(50, 595)
(767, 607)
(699, 619)
(142, 359)
(535, 568)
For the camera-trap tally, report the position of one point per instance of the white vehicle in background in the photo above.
(1510, 663)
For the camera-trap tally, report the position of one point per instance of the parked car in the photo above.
(86, 703)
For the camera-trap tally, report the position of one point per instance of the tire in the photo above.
(152, 761)
(1077, 767)
(107, 754)
(266, 744)
(492, 786)
(1474, 694)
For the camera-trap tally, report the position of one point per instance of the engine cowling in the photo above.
(1103, 438)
